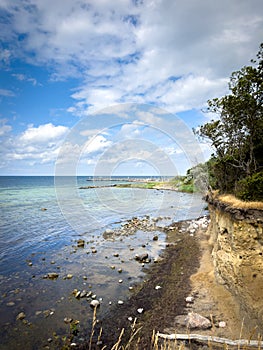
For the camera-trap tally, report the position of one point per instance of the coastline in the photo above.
(143, 184)
(176, 274)
(38, 294)
(181, 282)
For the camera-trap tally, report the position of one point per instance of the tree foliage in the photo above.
(237, 133)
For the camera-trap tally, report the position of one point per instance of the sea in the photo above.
(42, 218)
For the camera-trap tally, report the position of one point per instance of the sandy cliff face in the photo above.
(237, 240)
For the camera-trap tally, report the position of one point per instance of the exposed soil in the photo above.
(213, 299)
(184, 269)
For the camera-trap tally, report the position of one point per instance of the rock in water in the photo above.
(52, 275)
(94, 303)
(142, 257)
(20, 316)
(68, 320)
(80, 243)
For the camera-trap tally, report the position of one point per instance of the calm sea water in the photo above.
(40, 223)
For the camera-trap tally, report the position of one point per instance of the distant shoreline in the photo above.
(148, 185)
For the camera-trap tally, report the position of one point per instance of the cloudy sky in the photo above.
(65, 61)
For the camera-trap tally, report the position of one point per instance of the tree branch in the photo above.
(207, 338)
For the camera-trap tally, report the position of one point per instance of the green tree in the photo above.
(237, 134)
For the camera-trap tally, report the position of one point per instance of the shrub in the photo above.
(251, 188)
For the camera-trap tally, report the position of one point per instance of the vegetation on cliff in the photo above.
(237, 134)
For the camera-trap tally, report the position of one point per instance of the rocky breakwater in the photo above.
(236, 235)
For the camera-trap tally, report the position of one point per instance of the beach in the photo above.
(44, 264)
(181, 283)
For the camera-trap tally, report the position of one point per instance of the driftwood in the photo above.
(208, 338)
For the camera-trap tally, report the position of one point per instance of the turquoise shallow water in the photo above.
(34, 242)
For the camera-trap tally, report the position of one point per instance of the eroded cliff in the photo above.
(236, 235)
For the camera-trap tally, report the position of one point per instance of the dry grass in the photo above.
(238, 203)
(160, 343)
(234, 202)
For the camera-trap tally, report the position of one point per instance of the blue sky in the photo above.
(111, 74)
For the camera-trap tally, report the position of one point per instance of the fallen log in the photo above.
(208, 338)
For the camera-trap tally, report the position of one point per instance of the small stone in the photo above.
(46, 313)
(21, 316)
(140, 310)
(85, 278)
(94, 251)
(158, 287)
(155, 238)
(94, 303)
(80, 243)
(116, 255)
(112, 267)
(120, 281)
(30, 263)
(77, 295)
(109, 231)
(83, 294)
(130, 319)
(120, 302)
(142, 257)
(49, 340)
(89, 294)
(189, 299)
(68, 320)
(43, 209)
(222, 324)
(52, 275)
(37, 313)
(120, 270)
(11, 303)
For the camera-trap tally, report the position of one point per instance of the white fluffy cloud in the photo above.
(36, 145)
(166, 53)
(176, 54)
(43, 134)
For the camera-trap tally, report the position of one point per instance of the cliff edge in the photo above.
(236, 235)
